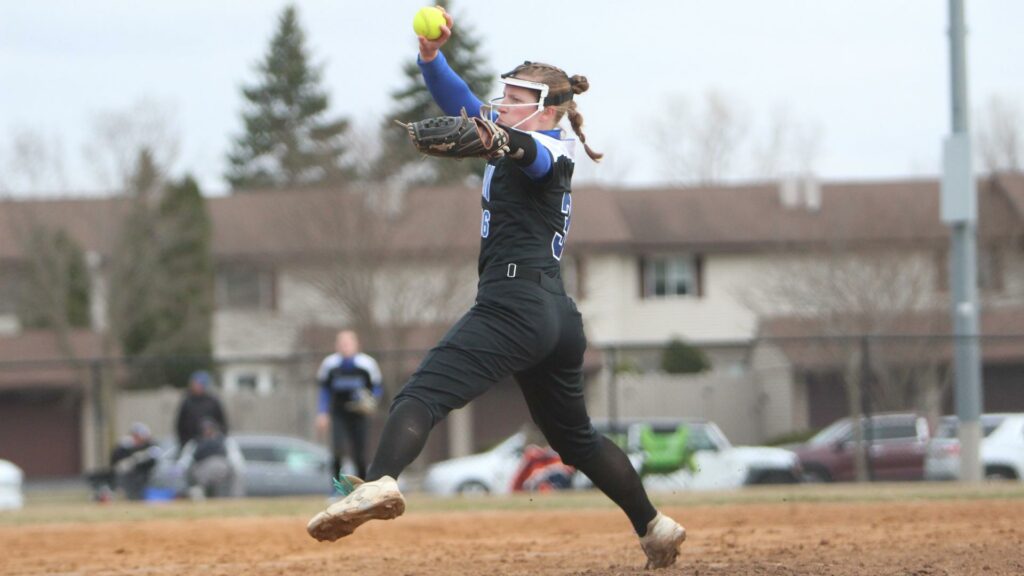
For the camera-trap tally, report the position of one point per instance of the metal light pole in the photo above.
(959, 211)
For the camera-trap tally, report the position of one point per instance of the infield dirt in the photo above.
(532, 537)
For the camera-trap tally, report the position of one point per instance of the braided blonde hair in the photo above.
(560, 85)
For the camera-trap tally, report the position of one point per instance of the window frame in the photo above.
(227, 296)
(678, 269)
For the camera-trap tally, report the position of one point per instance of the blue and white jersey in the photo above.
(525, 210)
(525, 220)
(341, 379)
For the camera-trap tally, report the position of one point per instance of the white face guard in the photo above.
(488, 110)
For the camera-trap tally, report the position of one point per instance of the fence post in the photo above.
(99, 428)
(613, 392)
(865, 402)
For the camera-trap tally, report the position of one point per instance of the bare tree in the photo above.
(370, 270)
(1001, 136)
(45, 281)
(846, 294)
(699, 145)
(32, 164)
(612, 170)
(788, 147)
(709, 144)
(121, 135)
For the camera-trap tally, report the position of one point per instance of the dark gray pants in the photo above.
(349, 428)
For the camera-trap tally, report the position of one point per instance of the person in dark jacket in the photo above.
(133, 460)
(199, 405)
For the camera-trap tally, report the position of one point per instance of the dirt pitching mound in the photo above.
(984, 537)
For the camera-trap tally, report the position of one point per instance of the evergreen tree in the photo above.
(185, 296)
(288, 142)
(56, 294)
(413, 102)
(161, 289)
(134, 269)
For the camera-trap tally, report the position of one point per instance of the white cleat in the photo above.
(662, 541)
(377, 500)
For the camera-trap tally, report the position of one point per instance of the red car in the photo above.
(897, 444)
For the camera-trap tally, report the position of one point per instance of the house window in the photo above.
(245, 287)
(247, 382)
(670, 276)
(259, 380)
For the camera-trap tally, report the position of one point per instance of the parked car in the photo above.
(283, 465)
(1001, 450)
(273, 466)
(896, 445)
(489, 472)
(11, 478)
(718, 464)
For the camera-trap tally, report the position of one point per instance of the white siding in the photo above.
(261, 333)
(736, 289)
(615, 311)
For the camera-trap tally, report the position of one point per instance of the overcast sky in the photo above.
(869, 77)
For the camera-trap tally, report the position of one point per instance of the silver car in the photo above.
(284, 465)
(272, 465)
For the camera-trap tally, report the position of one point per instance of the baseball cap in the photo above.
(201, 377)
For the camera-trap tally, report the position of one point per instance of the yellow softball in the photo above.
(428, 22)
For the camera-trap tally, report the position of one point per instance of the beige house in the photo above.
(706, 265)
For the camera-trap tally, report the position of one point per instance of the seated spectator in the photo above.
(214, 464)
(133, 460)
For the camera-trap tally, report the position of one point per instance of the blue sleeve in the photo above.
(325, 400)
(323, 378)
(541, 165)
(450, 91)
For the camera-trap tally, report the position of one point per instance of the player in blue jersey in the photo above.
(350, 386)
(523, 324)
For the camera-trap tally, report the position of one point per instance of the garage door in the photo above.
(40, 432)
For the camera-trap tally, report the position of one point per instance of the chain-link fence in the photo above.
(63, 415)
(778, 389)
(66, 414)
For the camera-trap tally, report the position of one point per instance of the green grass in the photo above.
(42, 508)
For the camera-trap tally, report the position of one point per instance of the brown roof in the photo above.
(910, 339)
(284, 223)
(1012, 185)
(753, 216)
(87, 220)
(33, 359)
(443, 221)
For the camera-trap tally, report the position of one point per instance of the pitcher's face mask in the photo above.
(512, 102)
(519, 104)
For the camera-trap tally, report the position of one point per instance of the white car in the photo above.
(718, 465)
(489, 472)
(11, 477)
(1002, 448)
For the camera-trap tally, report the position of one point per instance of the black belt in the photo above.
(513, 271)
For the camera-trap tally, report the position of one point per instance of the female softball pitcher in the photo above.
(522, 324)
